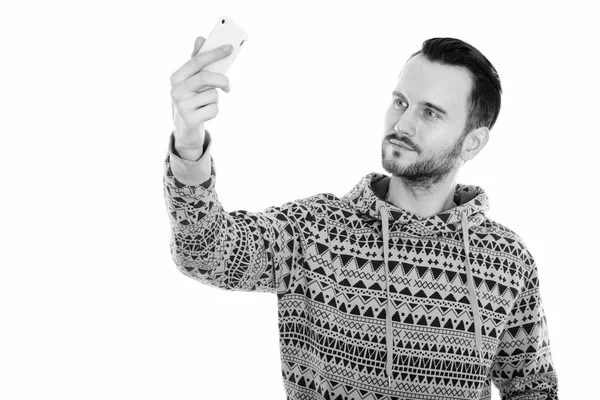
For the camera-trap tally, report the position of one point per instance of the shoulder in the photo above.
(506, 240)
(320, 202)
(308, 208)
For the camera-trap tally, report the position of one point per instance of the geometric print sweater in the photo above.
(374, 302)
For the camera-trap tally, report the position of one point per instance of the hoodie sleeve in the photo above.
(238, 250)
(522, 367)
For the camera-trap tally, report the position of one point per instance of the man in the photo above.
(402, 288)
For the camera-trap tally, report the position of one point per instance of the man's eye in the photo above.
(398, 100)
(430, 113)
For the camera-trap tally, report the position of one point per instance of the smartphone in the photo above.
(225, 31)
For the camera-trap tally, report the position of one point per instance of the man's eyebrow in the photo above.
(425, 103)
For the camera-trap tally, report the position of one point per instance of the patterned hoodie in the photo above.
(374, 302)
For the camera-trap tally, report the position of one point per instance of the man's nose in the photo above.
(406, 124)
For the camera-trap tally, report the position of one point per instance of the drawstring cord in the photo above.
(388, 314)
(472, 294)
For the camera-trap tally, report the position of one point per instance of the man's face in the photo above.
(428, 116)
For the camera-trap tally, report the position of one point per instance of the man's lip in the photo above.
(400, 144)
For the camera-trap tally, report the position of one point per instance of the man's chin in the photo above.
(395, 166)
(399, 172)
(402, 171)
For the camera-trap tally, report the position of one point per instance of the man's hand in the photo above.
(193, 101)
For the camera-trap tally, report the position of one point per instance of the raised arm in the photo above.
(236, 250)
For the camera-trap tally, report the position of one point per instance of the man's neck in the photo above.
(423, 202)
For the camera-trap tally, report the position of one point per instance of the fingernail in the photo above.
(227, 47)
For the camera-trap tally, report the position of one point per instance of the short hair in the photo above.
(484, 99)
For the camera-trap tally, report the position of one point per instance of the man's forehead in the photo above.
(445, 85)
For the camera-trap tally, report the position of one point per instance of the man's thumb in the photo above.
(199, 42)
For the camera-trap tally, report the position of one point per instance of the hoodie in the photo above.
(374, 302)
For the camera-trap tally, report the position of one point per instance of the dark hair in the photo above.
(484, 100)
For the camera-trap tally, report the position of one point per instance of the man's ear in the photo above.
(475, 142)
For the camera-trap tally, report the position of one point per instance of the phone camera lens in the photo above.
(222, 21)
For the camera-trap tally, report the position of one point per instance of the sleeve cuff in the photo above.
(191, 172)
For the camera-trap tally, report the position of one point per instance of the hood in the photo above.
(367, 198)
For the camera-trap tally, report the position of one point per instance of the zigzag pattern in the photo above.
(323, 257)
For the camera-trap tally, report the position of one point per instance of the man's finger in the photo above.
(199, 41)
(197, 63)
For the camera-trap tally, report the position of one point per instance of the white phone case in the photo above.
(225, 31)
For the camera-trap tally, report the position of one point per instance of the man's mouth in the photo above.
(400, 144)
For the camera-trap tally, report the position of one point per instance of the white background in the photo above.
(93, 307)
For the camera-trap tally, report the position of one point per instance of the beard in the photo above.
(424, 173)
